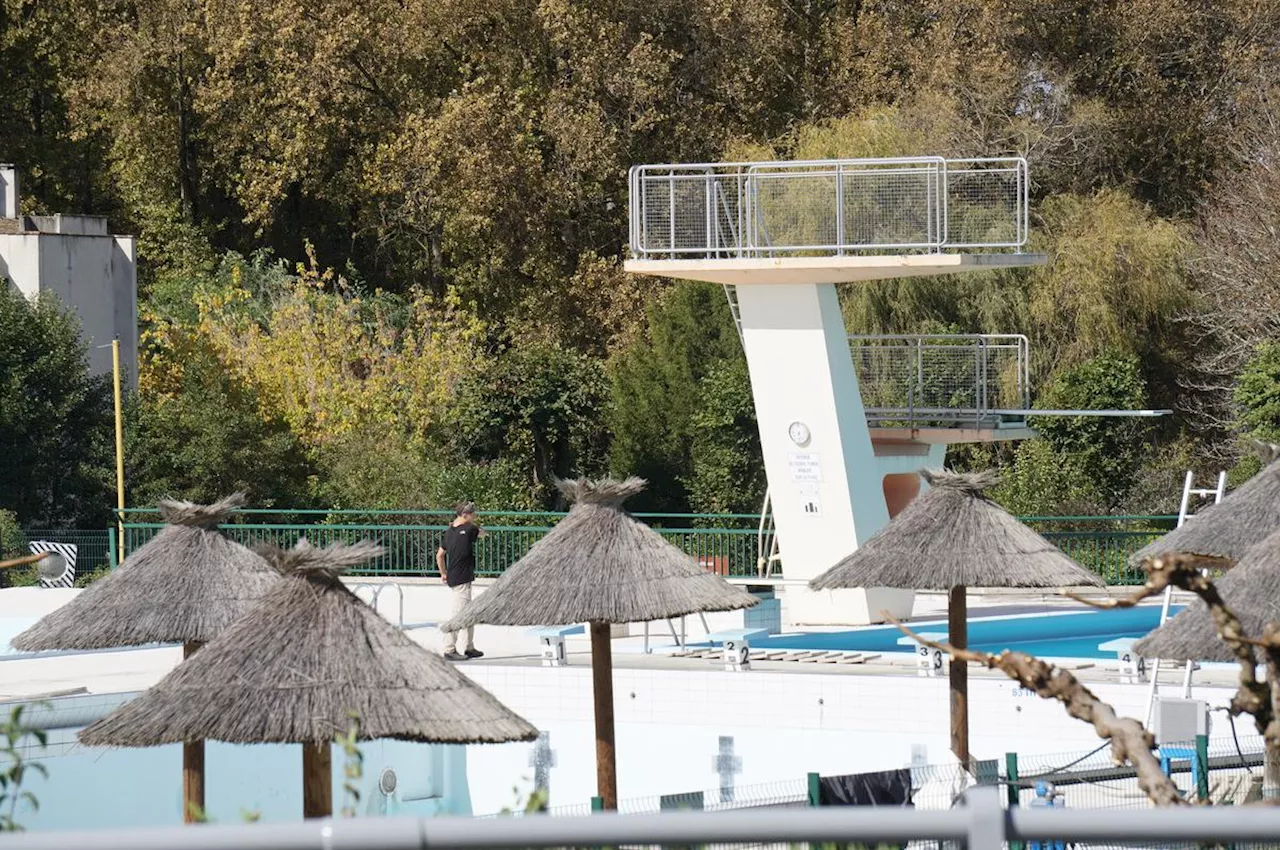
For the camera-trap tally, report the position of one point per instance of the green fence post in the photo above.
(1202, 765)
(815, 794)
(112, 555)
(1011, 774)
(597, 804)
(1012, 788)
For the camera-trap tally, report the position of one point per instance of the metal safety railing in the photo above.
(826, 208)
(947, 379)
(979, 822)
(1100, 543)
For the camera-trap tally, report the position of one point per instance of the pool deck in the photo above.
(426, 605)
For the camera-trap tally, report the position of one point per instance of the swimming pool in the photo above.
(1048, 635)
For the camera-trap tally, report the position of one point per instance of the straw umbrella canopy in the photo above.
(297, 667)
(186, 585)
(1251, 589)
(949, 538)
(600, 566)
(1231, 527)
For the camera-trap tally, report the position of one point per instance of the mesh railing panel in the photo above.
(985, 204)
(940, 379)
(824, 208)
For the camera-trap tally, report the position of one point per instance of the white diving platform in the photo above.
(846, 423)
(832, 269)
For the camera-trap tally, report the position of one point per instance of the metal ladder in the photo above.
(1184, 513)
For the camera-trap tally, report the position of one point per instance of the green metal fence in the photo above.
(724, 543)
(411, 548)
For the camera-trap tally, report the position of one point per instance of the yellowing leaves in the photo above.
(331, 364)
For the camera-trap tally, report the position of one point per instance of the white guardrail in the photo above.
(822, 208)
(979, 822)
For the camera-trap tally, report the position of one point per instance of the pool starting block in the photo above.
(929, 661)
(1133, 667)
(737, 646)
(552, 640)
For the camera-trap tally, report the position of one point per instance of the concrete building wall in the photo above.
(95, 275)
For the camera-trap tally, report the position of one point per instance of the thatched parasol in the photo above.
(1231, 527)
(949, 538)
(186, 585)
(601, 566)
(298, 666)
(1251, 590)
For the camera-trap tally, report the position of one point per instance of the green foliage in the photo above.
(727, 468)
(1106, 451)
(1041, 482)
(210, 438)
(537, 801)
(1258, 394)
(1115, 283)
(655, 384)
(479, 152)
(13, 543)
(352, 767)
(540, 408)
(55, 418)
(385, 472)
(16, 739)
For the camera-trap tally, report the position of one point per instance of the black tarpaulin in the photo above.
(886, 788)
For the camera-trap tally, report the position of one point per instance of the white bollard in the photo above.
(928, 661)
(737, 654)
(553, 651)
(1133, 667)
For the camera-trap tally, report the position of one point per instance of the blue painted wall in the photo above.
(90, 788)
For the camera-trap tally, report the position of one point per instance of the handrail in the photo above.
(827, 207)
(979, 822)
(377, 591)
(921, 379)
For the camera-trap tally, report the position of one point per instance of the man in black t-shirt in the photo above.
(457, 562)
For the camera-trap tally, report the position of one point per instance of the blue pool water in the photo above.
(1047, 635)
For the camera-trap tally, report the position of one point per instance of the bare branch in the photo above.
(1131, 743)
(1185, 570)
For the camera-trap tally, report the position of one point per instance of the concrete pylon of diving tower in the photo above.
(779, 236)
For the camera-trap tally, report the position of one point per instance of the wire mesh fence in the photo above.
(826, 208)
(986, 202)
(1089, 781)
(93, 546)
(968, 379)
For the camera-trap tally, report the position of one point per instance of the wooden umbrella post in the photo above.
(192, 766)
(958, 636)
(602, 685)
(317, 780)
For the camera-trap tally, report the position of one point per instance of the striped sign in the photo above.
(67, 551)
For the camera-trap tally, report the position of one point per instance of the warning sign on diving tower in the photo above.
(806, 467)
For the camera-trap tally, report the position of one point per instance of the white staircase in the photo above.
(1189, 490)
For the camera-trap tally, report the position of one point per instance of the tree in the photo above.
(331, 360)
(1238, 295)
(55, 418)
(655, 390)
(726, 465)
(382, 471)
(538, 406)
(208, 438)
(1258, 394)
(1106, 452)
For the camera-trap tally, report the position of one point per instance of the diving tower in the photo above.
(843, 455)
